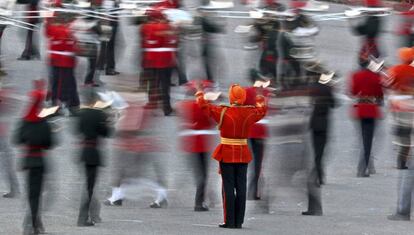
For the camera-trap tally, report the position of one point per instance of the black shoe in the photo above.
(91, 84)
(318, 213)
(169, 112)
(112, 72)
(238, 226)
(402, 168)
(399, 217)
(86, 224)
(226, 226)
(39, 231)
(114, 203)
(162, 204)
(200, 208)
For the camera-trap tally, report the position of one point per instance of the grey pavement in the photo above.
(351, 205)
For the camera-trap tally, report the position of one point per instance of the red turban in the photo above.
(237, 94)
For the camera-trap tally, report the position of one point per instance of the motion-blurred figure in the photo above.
(369, 30)
(30, 50)
(233, 152)
(92, 126)
(196, 138)
(321, 92)
(138, 153)
(406, 30)
(366, 88)
(35, 134)
(159, 46)
(6, 153)
(401, 104)
(62, 61)
(403, 111)
(257, 138)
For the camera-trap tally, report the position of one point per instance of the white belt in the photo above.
(161, 49)
(66, 53)
(198, 132)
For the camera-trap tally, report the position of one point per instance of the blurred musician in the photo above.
(159, 47)
(35, 134)
(369, 30)
(30, 50)
(62, 60)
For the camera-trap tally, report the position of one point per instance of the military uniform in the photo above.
(92, 126)
(233, 154)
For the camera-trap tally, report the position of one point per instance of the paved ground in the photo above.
(351, 205)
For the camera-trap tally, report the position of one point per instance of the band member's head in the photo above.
(36, 98)
(406, 55)
(237, 94)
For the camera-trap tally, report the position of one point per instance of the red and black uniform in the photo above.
(196, 138)
(369, 30)
(406, 28)
(35, 135)
(257, 137)
(159, 46)
(366, 88)
(233, 152)
(62, 60)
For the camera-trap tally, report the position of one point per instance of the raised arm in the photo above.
(211, 110)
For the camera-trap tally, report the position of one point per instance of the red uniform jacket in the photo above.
(159, 45)
(367, 89)
(197, 134)
(135, 131)
(236, 124)
(62, 45)
(259, 129)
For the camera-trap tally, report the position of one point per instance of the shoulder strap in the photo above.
(223, 111)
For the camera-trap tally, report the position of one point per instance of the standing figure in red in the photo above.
(62, 60)
(366, 88)
(233, 154)
(159, 47)
(196, 139)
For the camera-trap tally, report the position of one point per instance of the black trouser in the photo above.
(367, 132)
(34, 184)
(64, 88)
(314, 193)
(257, 146)
(110, 49)
(159, 80)
(91, 70)
(85, 209)
(207, 60)
(234, 192)
(319, 142)
(180, 68)
(200, 173)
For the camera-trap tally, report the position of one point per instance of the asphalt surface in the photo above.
(351, 205)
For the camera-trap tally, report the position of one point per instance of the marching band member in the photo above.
(138, 148)
(257, 138)
(406, 29)
(62, 60)
(233, 154)
(35, 134)
(366, 88)
(30, 49)
(321, 92)
(159, 47)
(403, 110)
(402, 86)
(369, 30)
(92, 126)
(196, 138)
